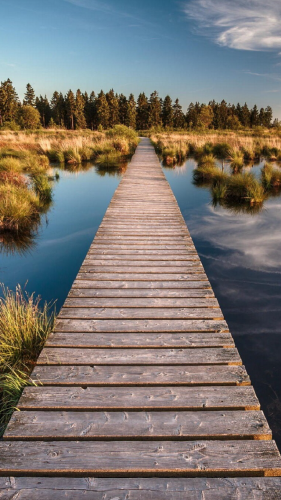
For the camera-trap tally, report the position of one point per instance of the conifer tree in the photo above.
(123, 108)
(167, 112)
(245, 116)
(79, 112)
(70, 108)
(102, 109)
(131, 116)
(29, 96)
(142, 112)
(90, 110)
(43, 106)
(178, 116)
(9, 102)
(58, 106)
(113, 106)
(154, 119)
(268, 117)
(254, 116)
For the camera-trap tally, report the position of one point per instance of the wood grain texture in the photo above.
(139, 340)
(197, 458)
(150, 425)
(139, 398)
(195, 356)
(139, 375)
(139, 326)
(131, 313)
(86, 488)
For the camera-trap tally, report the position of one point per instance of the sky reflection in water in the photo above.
(241, 254)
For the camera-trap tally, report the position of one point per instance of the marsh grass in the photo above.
(19, 207)
(110, 159)
(271, 177)
(24, 327)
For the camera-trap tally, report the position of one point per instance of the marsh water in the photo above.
(241, 253)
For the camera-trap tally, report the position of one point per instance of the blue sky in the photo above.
(190, 49)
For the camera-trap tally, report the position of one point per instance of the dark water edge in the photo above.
(241, 254)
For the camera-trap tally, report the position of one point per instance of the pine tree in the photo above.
(79, 113)
(113, 106)
(70, 108)
(206, 116)
(131, 116)
(245, 116)
(29, 96)
(58, 106)
(102, 108)
(178, 116)
(167, 114)
(9, 102)
(192, 115)
(154, 119)
(142, 112)
(90, 110)
(123, 108)
(268, 117)
(254, 116)
(44, 108)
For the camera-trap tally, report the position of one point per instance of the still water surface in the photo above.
(241, 254)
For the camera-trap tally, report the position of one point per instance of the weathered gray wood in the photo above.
(129, 356)
(141, 293)
(198, 458)
(94, 375)
(139, 326)
(123, 276)
(127, 268)
(46, 488)
(142, 302)
(153, 425)
(151, 285)
(129, 312)
(90, 262)
(139, 398)
(139, 340)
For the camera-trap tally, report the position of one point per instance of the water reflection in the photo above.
(241, 253)
(21, 242)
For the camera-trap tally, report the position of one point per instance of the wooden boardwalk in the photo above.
(141, 392)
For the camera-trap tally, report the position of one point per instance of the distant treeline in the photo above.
(104, 110)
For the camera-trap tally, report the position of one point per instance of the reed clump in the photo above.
(24, 327)
(271, 177)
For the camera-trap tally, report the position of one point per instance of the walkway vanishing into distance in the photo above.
(141, 392)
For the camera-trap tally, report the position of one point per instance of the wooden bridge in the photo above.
(141, 393)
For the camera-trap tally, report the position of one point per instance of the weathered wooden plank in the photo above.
(139, 340)
(141, 293)
(139, 398)
(84, 356)
(198, 458)
(46, 488)
(140, 326)
(127, 375)
(129, 312)
(138, 302)
(127, 276)
(151, 425)
(136, 256)
(146, 285)
(192, 267)
(185, 264)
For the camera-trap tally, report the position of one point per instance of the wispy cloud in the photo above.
(239, 24)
